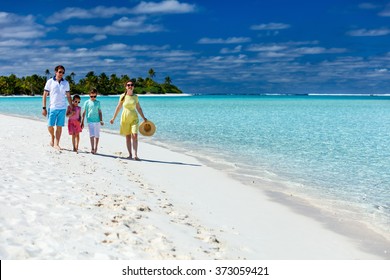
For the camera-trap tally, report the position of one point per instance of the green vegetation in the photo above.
(32, 85)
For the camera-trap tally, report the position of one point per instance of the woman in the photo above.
(129, 119)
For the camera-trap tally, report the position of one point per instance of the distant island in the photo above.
(106, 85)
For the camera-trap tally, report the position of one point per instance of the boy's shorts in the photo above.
(94, 129)
(56, 117)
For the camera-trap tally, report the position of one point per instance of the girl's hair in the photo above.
(76, 96)
(124, 94)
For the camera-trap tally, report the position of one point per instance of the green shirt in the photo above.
(92, 109)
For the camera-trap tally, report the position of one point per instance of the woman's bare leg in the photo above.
(128, 145)
(135, 145)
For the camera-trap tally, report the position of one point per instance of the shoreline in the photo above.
(113, 95)
(335, 219)
(168, 206)
(249, 94)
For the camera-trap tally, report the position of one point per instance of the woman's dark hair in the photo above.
(124, 94)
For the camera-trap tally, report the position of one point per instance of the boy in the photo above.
(94, 115)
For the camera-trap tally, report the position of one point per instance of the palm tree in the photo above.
(115, 84)
(72, 75)
(90, 81)
(168, 80)
(47, 74)
(151, 72)
(148, 82)
(103, 83)
(12, 84)
(3, 84)
(140, 81)
(70, 79)
(124, 79)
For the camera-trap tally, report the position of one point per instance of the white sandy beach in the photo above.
(63, 205)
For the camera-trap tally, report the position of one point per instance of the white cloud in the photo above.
(270, 26)
(230, 40)
(267, 48)
(234, 50)
(97, 12)
(164, 7)
(276, 55)
(122, 26)
(14, 43)
(318, 50)
(369, 32)
(368, 6)
(385, 12)
(99, 37)
(20, 27)
(115, 47)
(147, 48)
(290, 50)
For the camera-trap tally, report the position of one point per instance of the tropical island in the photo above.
(106, 85)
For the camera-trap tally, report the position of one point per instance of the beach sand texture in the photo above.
(63, 205)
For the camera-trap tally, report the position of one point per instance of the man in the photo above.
(58, 90)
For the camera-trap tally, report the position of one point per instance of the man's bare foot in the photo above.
(93, 151)
(130, 156)
(137, 158)
(51, 143)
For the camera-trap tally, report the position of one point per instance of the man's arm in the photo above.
(44, 96)
(69, 98)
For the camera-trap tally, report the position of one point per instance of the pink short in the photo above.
(74, 127)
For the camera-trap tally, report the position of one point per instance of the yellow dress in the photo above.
(129, 118)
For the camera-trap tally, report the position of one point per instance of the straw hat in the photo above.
(147, 128)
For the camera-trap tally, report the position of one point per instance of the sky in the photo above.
(246, 46)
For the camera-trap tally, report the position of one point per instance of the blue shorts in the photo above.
(56, 117)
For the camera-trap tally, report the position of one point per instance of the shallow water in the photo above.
(331, 149)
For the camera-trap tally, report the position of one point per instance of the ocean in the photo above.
(332, 151)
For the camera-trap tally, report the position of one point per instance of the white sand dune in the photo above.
(63, 205)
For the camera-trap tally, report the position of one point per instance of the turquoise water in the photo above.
(333, 150)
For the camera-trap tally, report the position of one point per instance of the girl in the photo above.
(74, 126)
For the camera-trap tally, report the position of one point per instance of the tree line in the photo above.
(32, 85)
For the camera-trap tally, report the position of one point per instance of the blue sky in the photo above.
(247, 46)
